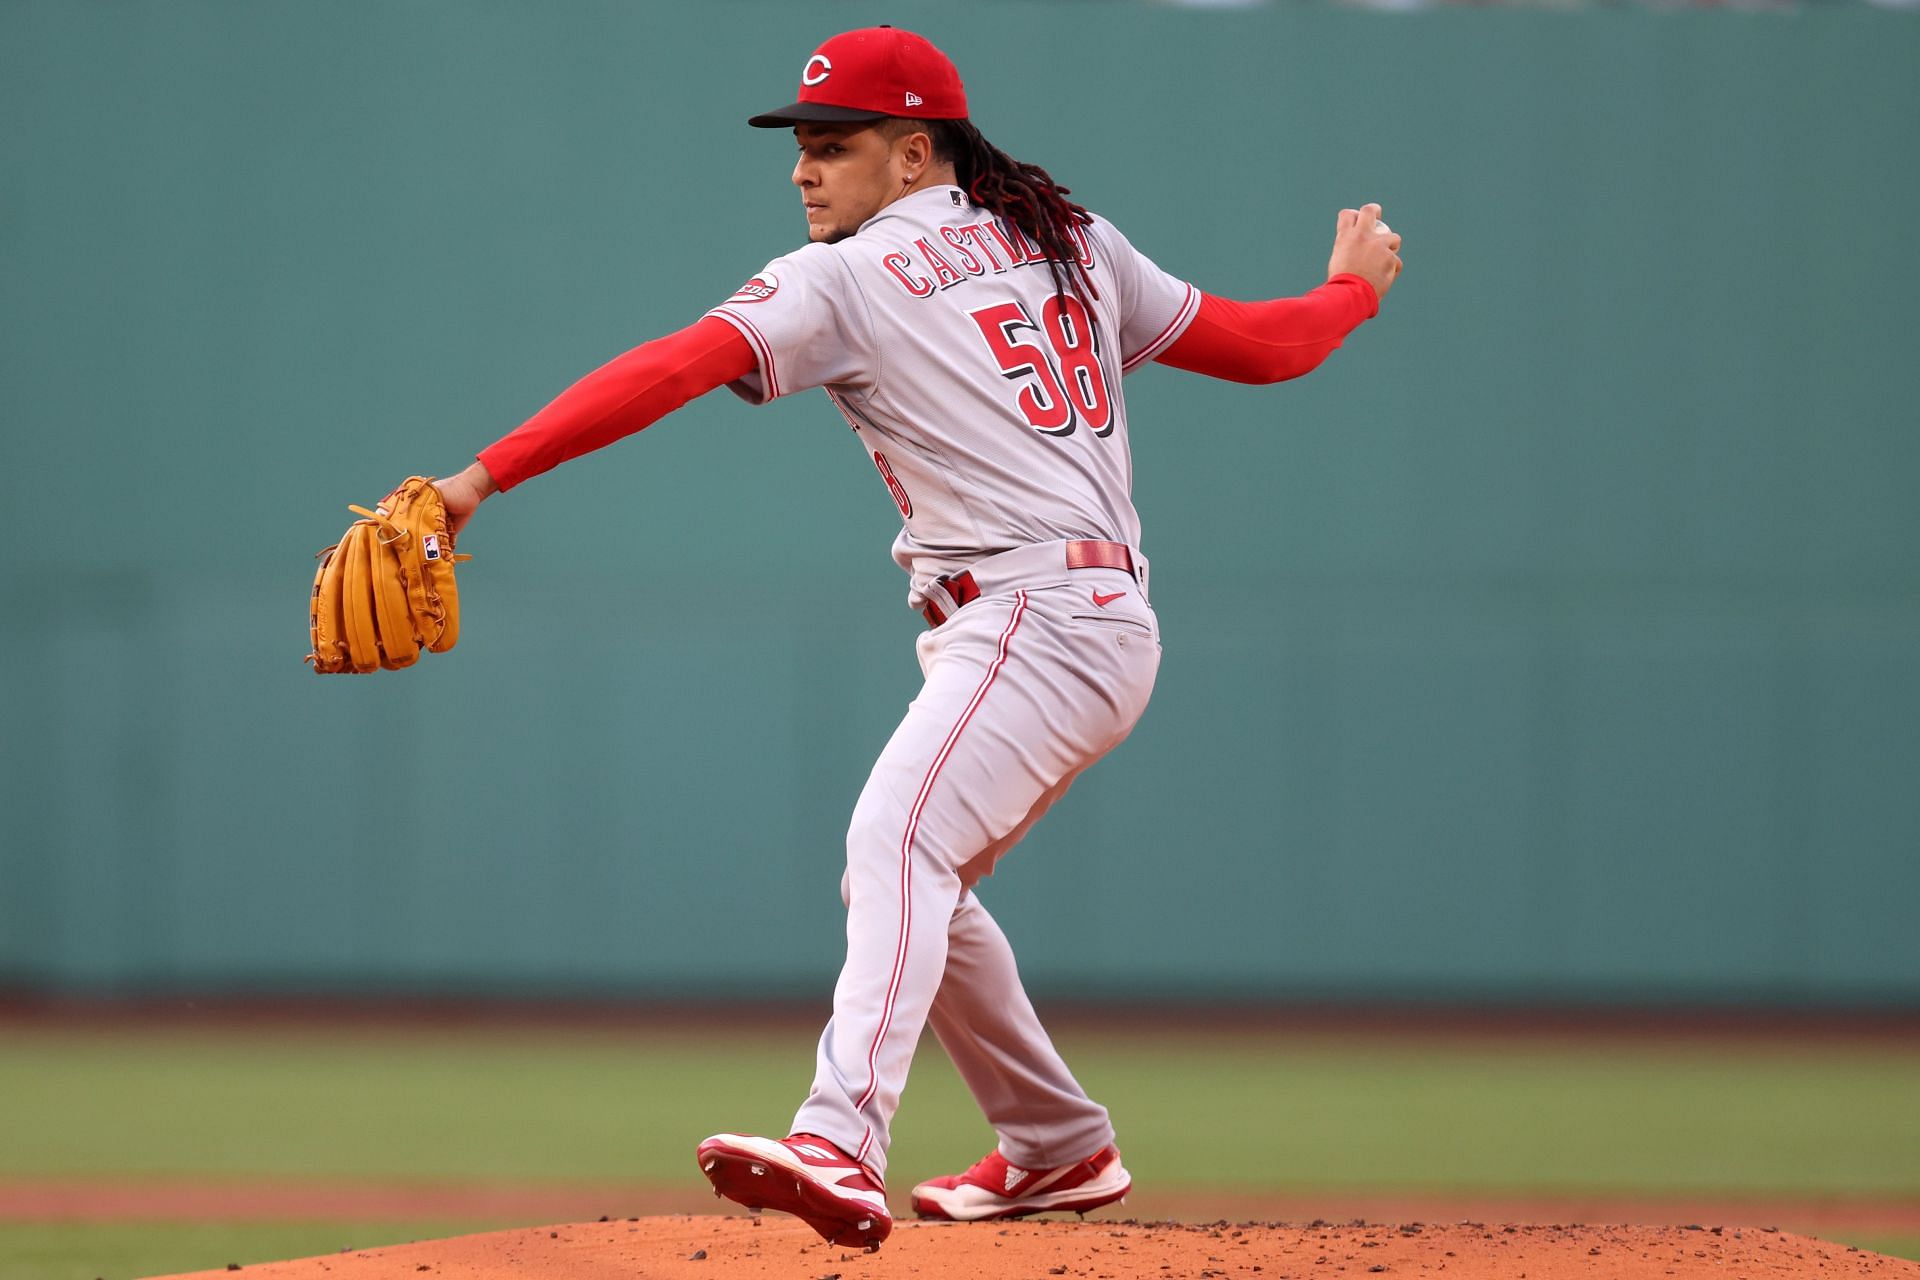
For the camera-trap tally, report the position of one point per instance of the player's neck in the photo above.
(936, 175)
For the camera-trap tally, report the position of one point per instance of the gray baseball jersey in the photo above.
(989, 404)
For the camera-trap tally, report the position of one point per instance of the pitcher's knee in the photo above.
(874, 837)
(875, 827)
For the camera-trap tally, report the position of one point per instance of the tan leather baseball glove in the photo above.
(386, 588)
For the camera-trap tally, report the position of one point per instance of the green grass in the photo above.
(1705, 1119)
(1892, 1246)
(1723, 1119)
(99, 1251)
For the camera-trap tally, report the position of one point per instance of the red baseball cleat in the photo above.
(995, 1189)
(805, 1176)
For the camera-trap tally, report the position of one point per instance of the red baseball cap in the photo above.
(871, 73)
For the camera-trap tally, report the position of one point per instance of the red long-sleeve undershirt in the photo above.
(1239, 341)
(620, 397)
(1274, 340)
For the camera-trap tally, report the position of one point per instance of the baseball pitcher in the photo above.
(973, 326)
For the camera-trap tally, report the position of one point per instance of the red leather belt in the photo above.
(1085, 554)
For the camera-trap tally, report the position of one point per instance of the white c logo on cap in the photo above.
(807, 75)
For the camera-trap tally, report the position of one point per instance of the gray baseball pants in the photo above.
(1025, 688)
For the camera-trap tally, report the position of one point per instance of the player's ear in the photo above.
(916, 149)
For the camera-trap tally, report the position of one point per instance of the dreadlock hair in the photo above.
(1024, 194)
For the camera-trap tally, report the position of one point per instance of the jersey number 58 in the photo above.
(1061, 384)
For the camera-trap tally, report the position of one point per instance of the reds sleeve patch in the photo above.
(758, 289)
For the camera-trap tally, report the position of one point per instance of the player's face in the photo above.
(846, 174)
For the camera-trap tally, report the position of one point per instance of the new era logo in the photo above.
(914, 99)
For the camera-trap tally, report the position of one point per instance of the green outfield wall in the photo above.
(1558, 640)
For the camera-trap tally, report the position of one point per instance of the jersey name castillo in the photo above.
(989, 405)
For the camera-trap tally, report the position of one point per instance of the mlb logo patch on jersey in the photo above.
(758, 289)
(431, 546)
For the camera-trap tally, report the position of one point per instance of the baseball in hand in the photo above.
(1380, 225)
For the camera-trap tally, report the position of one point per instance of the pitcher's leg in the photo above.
(946, 787)
(894, 960)
(1016, 702)
(989, 1028)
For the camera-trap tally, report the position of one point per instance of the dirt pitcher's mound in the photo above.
(709, 1248)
